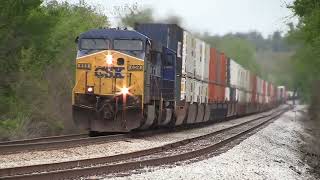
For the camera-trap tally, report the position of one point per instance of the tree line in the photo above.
(37, 53)
(306, 60)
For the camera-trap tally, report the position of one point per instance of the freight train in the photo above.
(160, 75)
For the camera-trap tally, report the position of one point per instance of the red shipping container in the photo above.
(212, 74)
(269, 89)
(253, 79)
(275, 93)
(217, 75)
(223, 77)
(272, 95)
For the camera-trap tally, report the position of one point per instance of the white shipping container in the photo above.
(188, 54)
(206, 63)
(242, 96)
(280, 93)
(197, 91)
(204, 92)
(247, 81)
(259, 86)
(234, 73)
(227, 94)
(248, 97)
(198, 59)
(243, 79)
(237, 94)
(190, 88)
(183, 89)
(260, 99)
(205, 72)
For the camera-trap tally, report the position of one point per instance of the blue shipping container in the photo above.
(170, 36)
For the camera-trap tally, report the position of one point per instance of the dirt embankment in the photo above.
(311, 148)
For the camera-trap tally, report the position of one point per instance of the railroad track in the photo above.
(76, 140)
(170, 153)
(56, 142)
(43, 139)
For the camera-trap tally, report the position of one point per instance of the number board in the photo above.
(135, 68)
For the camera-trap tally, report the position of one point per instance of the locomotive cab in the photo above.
(109, 87)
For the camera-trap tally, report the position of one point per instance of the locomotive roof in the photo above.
(112, 33)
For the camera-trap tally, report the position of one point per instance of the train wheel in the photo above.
(200, 113)
(206, 113)
(93, 133)
(81, 117)
(181, 113)
(166, 117)
(192, 113)
(150, 116)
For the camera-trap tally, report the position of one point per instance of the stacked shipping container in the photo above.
(217, 76)
(203, 74)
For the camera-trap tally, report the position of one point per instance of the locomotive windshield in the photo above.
(126, 41)
(133, 47)
(94, 44)
(128, 45)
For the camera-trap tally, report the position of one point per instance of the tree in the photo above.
(306, 36)
(236, 48)
(37, 55)
(136, 15)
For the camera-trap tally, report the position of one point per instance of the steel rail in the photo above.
(43, 139)
(68, 141)
(16, 148)
(66, 169)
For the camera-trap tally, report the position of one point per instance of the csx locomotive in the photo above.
(157, 75)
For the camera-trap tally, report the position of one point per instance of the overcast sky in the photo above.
(215, 16)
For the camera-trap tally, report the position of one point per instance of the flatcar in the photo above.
(159, 75)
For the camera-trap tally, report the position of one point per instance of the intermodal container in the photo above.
(205, 72)
(253, 82)
(198, 59)
(197, 91)
(212, 74)
(170, 36)
(189, 54)
(206, 62)
(223, 76)
(234, 71)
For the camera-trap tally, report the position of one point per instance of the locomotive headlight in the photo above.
(109, 59)
(124, 90)
(90, 89)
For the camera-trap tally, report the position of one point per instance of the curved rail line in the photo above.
(75, 140)
(43, 139)
(59, 142)
(135, 160)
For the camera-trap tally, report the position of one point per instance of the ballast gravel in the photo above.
(272, 153)
(110, 148)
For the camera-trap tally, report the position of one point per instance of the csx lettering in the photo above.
(109, 72)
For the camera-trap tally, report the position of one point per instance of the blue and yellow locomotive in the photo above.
(159, 75)
(123, 82)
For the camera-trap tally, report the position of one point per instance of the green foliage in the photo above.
(267, 57)
(236, 48)
(306, 35)
(37, 55)
(137, 16)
